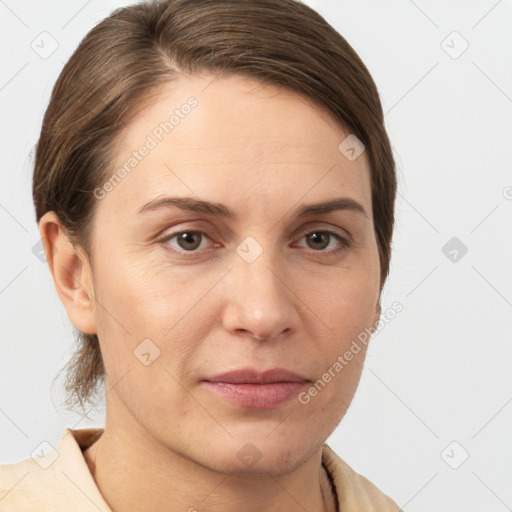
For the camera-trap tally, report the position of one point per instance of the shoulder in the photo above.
(355, 492)
(27, 485)
(57, 480)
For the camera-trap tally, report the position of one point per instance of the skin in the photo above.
(169, 443)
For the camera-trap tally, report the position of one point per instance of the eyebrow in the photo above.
(221, 210)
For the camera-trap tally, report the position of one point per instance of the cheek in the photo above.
(149, 329)
(352, 312)
(342, 309)
(151, 301)
(344, 303)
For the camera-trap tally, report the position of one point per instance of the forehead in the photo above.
(234, 140)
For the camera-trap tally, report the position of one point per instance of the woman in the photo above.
(215, 189)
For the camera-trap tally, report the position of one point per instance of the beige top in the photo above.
(60, 481)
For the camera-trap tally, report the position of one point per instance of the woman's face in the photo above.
(184, 290)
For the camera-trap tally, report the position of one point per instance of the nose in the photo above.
(259, 301)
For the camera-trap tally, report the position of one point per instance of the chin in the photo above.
(258, 454)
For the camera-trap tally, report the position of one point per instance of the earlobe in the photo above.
(378, 311)
(71, 273)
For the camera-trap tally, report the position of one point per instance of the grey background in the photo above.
(441, 371)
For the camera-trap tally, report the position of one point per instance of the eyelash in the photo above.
(344, 243)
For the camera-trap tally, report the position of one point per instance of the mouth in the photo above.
(255, 389)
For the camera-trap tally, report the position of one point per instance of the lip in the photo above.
(253, 376)
(249, 387)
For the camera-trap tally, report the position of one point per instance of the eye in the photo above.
(187, 241)
(320, 240)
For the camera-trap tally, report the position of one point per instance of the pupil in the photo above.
(321, 239)
(189, 240)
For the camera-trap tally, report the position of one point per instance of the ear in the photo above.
(71, 272)
(378, 311)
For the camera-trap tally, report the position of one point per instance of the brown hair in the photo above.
(124, 59)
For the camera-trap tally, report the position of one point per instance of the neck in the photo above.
(133, 471)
